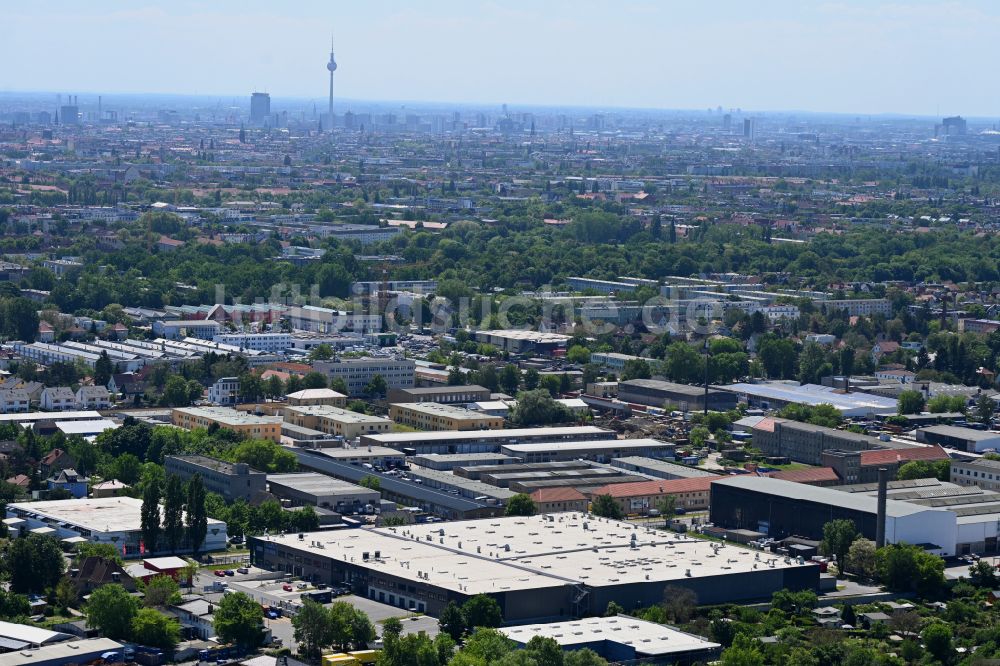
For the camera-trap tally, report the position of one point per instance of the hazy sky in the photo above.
(856, 56)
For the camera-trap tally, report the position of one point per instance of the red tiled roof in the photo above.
(557, 495)
(811, 475)
(888, 456)
(767, 425)
(665, 487)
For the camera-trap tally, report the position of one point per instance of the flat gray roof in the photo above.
(675, 470)
(649, 639)
(317, 484)
(589, 445)
(958, 432)
(831, 496)
(508, 433)
(61, 652)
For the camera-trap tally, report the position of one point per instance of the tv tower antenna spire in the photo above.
(331, 67)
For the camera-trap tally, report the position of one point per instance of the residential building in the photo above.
(225, 391)
(14, 401)
(231, 480)
(254, 427)
(57, 399)
(93, 397)
(70, 481)
(436, 416)
(857, 307)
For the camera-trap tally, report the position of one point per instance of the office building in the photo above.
(358, 373)
(863, 466)
(260, 108)
(177, 329)
(243, 423)
(436, 417)
(445, 395)
(231, 480)
(523, 342)
(336, 421)
(545, 566)
(980, 472)
(314, 397)
(114, 521)
(668, 395)
(273, 343)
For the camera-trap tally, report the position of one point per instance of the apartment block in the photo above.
(435, 416)
(248, 425)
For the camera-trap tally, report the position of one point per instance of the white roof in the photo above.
(315, 394)
(170, 562)
(853, 403)
(647, 638)
(472, 556)
(61, 652)
(598, 445)
(509, 433)
(93, 427)
(28, 634)
(98, 514)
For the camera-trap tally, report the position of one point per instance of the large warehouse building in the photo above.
(551, 566)
(656, 393)
(482, 441)
(945, 518)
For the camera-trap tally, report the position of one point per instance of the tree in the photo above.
(510, 379)
(584, 657)
(111, 609)
(545, 651)
(153, 628)
(578, 354)
(487, 645)
(605, 506)
(197, 518)
(937, 638)
(838, 535)
(482, 611)
(520, 504)
(33, 563)
(983, 574)
(160, 591)
(744, 651)
(793, 602)
(538, 408)
(149, 515)
(636, 368)
(370, 482)
(679, 603)
(173, 513)
(667, 506)
(985, 408)
(452, 621)
(925, 469)
(861, 557)
(314, 380)
(905, 567)
(313, 629)
(103, 369)
(239, 619)
(377, 386)
(910, 402)
(176, 392)
(104, 550)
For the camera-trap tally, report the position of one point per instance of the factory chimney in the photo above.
(883, 488)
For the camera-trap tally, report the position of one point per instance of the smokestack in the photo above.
(883, 491)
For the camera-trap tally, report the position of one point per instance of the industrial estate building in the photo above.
(111, 520)
(447, 395)
(775, 395)
(963, 439)
(601, 450)
(312, 489)
(435, 416)
(541, 567)
(231, 480)
(668, 395)
(484, 441)
(805, 442)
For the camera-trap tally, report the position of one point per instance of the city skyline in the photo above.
(863, 58)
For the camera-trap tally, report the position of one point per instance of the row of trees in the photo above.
(182, 508)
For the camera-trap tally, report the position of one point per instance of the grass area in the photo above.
(398, 427)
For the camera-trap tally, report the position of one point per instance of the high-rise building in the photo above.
(750, 128)
(953, 125)
(69, 114)
(260, 107)
(331, 67)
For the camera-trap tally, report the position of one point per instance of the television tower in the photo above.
(331, 67)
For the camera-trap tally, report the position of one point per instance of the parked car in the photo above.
(230, 572)
(219, 572)
(243, 570)
(287, 587)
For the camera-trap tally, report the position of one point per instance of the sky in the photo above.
(917, 57)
